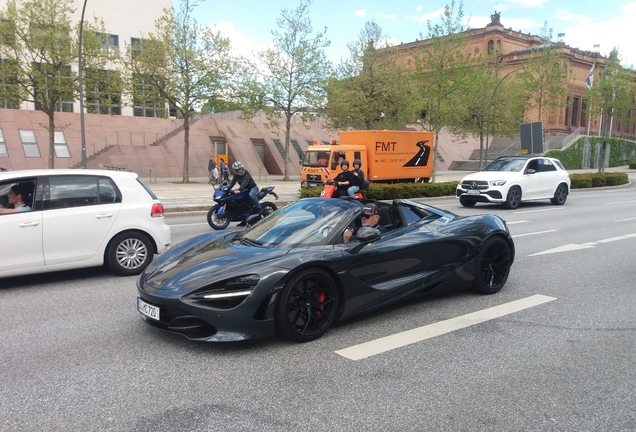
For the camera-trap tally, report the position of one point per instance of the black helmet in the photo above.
(344, 162)
(357, 162)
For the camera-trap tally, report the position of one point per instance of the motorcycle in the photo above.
(329, 191)
(233, 207)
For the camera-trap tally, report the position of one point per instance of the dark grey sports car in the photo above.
(293, 275)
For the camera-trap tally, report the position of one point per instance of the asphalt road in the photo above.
(75, 355)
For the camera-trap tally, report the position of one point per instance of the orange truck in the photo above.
(386, 156)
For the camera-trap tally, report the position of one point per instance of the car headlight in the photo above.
(497, 182)
(227, 294)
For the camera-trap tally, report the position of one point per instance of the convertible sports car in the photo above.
(293, 275)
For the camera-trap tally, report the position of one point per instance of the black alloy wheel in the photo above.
(493, 266)
(467, 202)
(514, 198)
(560, 195)
(267, 208)
(219, 221)
(307, 306)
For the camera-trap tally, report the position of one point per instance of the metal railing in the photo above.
(116, 138)
(568, 140)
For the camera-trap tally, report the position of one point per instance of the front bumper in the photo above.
(488, 195)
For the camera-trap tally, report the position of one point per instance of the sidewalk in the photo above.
(198, 188)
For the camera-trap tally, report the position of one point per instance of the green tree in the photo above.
(487, 82)
(441, 69)
(545, 77)
(183, 63)
(290, 78)
(38, 46)
(371, 91)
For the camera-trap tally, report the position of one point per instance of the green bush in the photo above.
(622, 152)
(380, 191)
(632, 165)
(582, 181)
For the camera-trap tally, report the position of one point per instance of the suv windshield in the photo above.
(508, 164)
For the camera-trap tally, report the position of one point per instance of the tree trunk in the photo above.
(52, 139)
(186, 147)
(287, 131)
(481, 150)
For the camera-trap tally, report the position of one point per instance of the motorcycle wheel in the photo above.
(216, 221)
(267, 208)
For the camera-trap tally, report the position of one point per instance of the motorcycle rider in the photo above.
(357, 164)
(345, 179)
(245, 181)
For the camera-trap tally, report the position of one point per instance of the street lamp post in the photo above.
(490, 105)
(81, 88)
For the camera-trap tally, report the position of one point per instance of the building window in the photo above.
(29, 143)
(575, 111)
(491, 46)
(63, 78)
(584, 113)
(147, 102)
(567, 110)
(60, 146)
(3, 145)
(110, 43)
(103, 92)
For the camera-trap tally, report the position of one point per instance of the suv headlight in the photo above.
(497, 182)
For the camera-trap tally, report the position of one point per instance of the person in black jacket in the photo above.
(344, 180)
(370, 218)
(245, 181)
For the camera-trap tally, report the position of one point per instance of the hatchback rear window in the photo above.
(150, 192)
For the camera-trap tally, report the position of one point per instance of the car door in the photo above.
(549, 178)
(391, 268)
(531, 182)
(76, 220)
(21, 233)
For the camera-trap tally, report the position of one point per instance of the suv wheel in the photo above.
(560, 195)
(514, 198)
(467, 202)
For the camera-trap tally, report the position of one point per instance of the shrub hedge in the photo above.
(379, 191)
(622, 152)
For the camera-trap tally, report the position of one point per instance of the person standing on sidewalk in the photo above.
(225, 171)
(211, 167)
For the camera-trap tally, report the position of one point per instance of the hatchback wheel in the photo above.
(514, 198)
(307, 306)
(493, 266)
(560, 195)
(129, 253)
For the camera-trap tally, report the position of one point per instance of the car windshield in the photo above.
(303, 223)
(511, 164)
(316, 158)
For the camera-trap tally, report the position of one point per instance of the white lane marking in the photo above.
(516, 222)
(378, 346)
(533, 233)
(541, 210)
(611, 239)
(624, 220)
(620, 202)
(588, 245)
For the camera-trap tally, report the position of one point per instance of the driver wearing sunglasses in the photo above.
(370, 218)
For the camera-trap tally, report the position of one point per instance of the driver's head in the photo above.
(344, 165)
(237, 167)
(370, 216)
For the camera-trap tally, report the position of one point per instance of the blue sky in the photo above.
(607, 23)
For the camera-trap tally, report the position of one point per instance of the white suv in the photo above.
(78, 218)
(511, 180)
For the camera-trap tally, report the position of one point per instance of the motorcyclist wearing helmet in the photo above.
(245, 181)
(344, 180)
(359, 174)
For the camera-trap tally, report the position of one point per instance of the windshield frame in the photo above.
(509, 163)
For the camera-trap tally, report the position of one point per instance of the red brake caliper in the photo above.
(320, 298)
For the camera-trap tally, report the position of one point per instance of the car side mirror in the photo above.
(530, 171)
(366, 235)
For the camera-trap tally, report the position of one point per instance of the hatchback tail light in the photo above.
(157, 210)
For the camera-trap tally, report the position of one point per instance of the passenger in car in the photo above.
(370, 218)
(15, 197)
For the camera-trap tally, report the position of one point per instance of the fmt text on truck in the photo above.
(386, 156)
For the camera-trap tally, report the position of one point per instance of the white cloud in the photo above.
(518, 23)
(572, 17)
(419, 9)
(387, 17)
(241, 44)
(524, 3)
(361, 13)
(429, 16)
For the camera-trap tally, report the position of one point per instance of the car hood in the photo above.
(491, 175)
(203, 260)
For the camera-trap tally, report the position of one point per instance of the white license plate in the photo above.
(149, 310)
(472, 192)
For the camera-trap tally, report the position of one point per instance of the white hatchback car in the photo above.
(78, 218)
(511, 180)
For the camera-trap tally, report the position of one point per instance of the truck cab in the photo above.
(322, 162)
